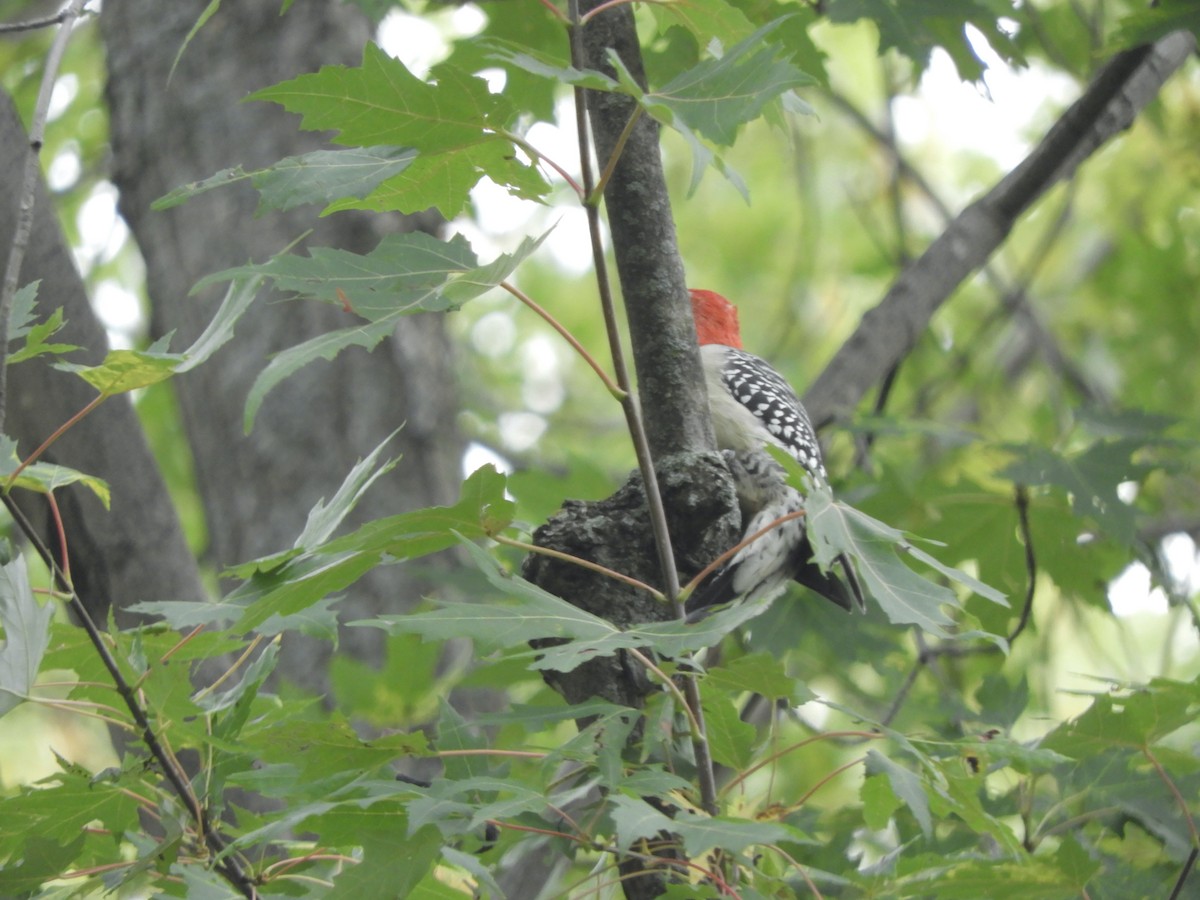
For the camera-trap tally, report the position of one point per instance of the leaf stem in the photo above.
(737, 548)
(779, 754)
(594, 196)
(225, 676)
(613, 389)
(821, 782)
(579, 561)
(1182, 803)
(669, 683)
(537, 155)
(555, 11)
(55, 435)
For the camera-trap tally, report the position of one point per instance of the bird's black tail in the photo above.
(842, 589)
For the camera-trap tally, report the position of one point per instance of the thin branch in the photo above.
(1021, 495)
(1188, 865)
(33, 24)
(1178, 797)
(888, 332)
(804, 798)
(45, 445)
(669, 683)
(234, 666)
(229, 867)
(27, 201)
(929, 655)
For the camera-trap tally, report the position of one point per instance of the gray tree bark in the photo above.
(172, 128)
(135, 550)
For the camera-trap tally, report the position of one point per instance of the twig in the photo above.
(928, 655)
(779, 754)
(33, 24)
(1021, 495)
(1188, 865)
(670, 685)
(605, 176)
(25, 205)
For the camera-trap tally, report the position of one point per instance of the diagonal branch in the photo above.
(887, 333)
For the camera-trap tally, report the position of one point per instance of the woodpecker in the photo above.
(752, 405)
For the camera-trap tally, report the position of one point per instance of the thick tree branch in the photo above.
(648, 262)
(889, 331)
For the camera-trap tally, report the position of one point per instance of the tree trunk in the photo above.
(135, 550)
(169, 128)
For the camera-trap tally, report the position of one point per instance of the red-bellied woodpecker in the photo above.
(752, 405)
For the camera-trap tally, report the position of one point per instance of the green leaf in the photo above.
(759, 673)
(1143, 26)
(207, 13)
(404, 274)
(529, 613)
(906, 785)
(670, 638)
(879, 801)
(219, 331)
(321, 748)
(287, 584)
(1090, 479)
(26, 632)
(36, 335)
(393, 861)
(40, 861)
(1001, 703)
(635, 819)
(536, 615)
(444, 181)
(381, 102)
(1060, 876)
(125, 370)
(324, 346)
(324, 519)
(45, 477)
(915, 27)
(22, 318)
(323, 176)
(707, 19)
(717, 96)
(61, 806)
(731, 740)
(1132, 719)
(451, 117)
